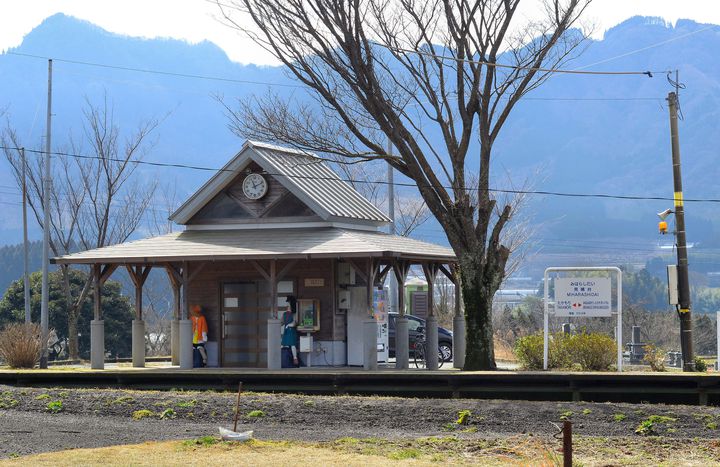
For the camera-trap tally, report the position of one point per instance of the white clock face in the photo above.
(255, 186)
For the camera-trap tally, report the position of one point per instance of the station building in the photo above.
(275, 222)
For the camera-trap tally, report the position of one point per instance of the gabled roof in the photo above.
(218, 245)
(302, 173)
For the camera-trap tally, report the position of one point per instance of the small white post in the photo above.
(546, 322)
(619, 319)
(717, 363)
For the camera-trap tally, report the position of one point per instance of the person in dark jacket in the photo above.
(289, 341)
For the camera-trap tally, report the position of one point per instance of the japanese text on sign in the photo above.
(589, 297)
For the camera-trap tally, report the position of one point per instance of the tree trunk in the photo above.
(480, 281)
(479, 354)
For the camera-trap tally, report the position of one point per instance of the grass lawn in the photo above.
(516, 450)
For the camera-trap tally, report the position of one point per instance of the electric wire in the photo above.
(156, 72)
(375, 182)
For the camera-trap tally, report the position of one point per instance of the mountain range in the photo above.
(586, 134)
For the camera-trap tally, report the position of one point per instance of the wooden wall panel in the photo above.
(205, 290)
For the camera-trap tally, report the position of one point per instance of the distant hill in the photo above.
(587, 134)
(11, 262)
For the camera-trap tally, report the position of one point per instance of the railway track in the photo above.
(669, 388)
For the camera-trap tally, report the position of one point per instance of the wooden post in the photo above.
(402, 334)
(431, 325)
(459, 344)
(97, 328)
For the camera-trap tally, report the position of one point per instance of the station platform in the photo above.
(669, 388)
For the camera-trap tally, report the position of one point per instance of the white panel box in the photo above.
(346, 274)
(672, 275)
(344, 299)
(306, 344)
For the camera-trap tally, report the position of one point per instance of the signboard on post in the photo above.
(587, 297)
(583, 296)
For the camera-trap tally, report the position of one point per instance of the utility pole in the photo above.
(391, 214)
(26, 272)
(686, 344)
(47, 183)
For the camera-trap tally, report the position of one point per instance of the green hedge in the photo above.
(588, 351)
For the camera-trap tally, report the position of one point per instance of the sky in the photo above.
(198, 20)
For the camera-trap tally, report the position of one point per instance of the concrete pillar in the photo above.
(431, 342)
(97, 344)
(138, 343)
(273, 344)
(185, 345)
(174, 342)
(370, 344)
(459, 345)
(402, 343)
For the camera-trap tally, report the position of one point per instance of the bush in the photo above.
(593, 352)
(700, 364)
(654, 357)
(529, 352)
(20, 345)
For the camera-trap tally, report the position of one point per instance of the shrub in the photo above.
(529, 351)
(700, 364)
(256, 414)
(55, 406)
(20, 345)
(654, 357)
(592, 351)
(140, 414)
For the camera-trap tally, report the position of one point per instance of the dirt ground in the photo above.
(35, 420)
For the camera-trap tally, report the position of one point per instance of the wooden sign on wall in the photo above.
(319, 282)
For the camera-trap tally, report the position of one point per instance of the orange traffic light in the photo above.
(662, 227)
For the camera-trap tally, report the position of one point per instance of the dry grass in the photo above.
(20, 345)
(503, 350)
(511, 451)
(277, 454)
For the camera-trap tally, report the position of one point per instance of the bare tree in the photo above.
(93, 202)
(408, 70)
(369, 178)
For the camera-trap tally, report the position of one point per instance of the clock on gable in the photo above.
(255, 186)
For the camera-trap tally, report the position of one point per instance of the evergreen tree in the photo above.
(116, 308)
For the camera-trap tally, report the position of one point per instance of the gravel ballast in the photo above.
(34, 420)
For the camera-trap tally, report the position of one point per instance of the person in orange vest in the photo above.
(199, 330)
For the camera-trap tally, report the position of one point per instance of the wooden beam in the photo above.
(383, 272)
(97, 284)
(372, 269)
(286, 269)
(447, 272)
(430, 270)
(273, 289)
(174, 273)
(106, 272)
(401, 269)
(200, 266)
(458, 289)
(260, 269)
(185, 313)
(357, 269)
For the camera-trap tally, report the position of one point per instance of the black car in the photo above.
(416, 327)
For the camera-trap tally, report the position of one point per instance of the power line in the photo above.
(378, 182)
(642, 49)
(648, 73)
(266, 83)
(156, 72)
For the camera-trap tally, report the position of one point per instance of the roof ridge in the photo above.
(275, 147)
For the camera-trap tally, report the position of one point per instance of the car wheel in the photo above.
(446, 351)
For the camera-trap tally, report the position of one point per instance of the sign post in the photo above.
(589, 297)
